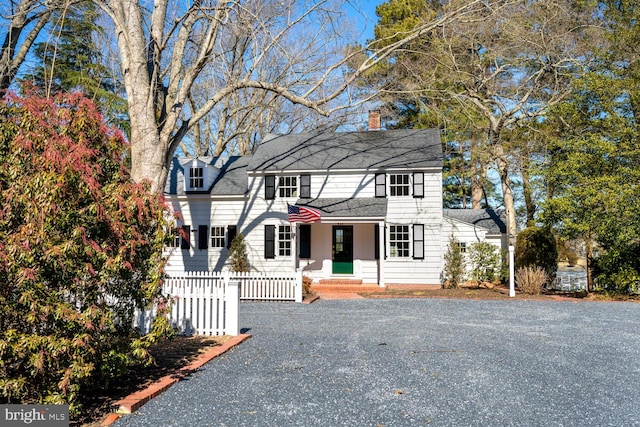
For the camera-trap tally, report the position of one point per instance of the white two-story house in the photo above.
(378, 195)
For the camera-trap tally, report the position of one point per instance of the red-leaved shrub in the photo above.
(80, 248)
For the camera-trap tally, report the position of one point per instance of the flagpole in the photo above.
(294, 246)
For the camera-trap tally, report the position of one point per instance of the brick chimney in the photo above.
(374, 120)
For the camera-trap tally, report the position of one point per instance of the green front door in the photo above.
(342, 249)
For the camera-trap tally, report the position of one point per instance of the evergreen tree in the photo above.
(500, 67)
(592, 173)
(454, 264)
(238, 256)
(70, 61)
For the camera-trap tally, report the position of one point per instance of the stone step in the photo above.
(341, 281)
(344, 286)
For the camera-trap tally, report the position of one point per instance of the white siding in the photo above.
(417, 271)
(408, 211)
(251, 213)
(202, 210)
(343, 185)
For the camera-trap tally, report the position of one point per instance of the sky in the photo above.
(364, 12)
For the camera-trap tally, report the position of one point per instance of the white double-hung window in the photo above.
(288, 186)
(399, 185)
(217, 237)
(196, 178)
(399, 241)
(284, 240)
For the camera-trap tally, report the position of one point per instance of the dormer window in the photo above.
(196, 178)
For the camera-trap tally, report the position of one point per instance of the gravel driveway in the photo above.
(417, 362)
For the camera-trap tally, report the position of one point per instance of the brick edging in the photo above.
(134, 401)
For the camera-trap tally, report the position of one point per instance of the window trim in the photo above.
(217, 236)
(198, 178)
(403, 187)
(288, 184)
(285, 240)
(175, 238)
(402, 251)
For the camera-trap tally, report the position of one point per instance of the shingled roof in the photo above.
(359, 207)
(485, 218)
(232, 179)
(371, 150)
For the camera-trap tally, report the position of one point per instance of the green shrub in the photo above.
(618, 270)
(486, 262)
(238, 257)
(536, 247)
(80, 249)
(454, 264)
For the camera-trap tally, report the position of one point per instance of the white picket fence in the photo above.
(207, 303)
(269, 286)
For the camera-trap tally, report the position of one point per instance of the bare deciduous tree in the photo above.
(245, 116)
(507, 63)
(164, 58)
(23, 20)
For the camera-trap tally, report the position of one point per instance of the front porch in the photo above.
(344, 254)
(345, 243)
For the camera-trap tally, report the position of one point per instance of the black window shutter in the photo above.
(376, 239)
(305, 186)
(384, 241)
(381, 185)
(418, 241)
(305, 241)
(232, 230)
(418, 184)
(186, 237)
(203, 236)
(270, 187)
(269, 241)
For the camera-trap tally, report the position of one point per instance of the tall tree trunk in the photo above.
(526, 190)
(150, 151)
(588, 241)
(507, 192)
(478, 172)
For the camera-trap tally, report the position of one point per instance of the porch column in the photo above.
(294, 246)
(381, 253)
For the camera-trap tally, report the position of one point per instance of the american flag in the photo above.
(303, 214)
